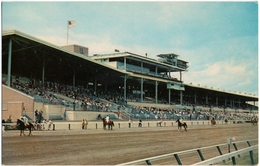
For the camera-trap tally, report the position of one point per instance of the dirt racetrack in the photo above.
(102, 147)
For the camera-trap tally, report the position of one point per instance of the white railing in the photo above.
(230, 155)
(199, 151)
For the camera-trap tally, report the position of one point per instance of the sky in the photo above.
(218, 39)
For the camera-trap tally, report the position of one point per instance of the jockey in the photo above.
(24, 119)
(107, 118)
(181, 121)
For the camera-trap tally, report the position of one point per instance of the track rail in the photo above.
(199, 152)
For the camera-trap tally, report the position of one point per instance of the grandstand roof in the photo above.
(56, 59)
(218, 92)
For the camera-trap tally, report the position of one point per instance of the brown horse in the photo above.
(213, 122)
(22, 126)
(110, 124)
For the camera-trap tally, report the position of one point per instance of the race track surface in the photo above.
(103, 147)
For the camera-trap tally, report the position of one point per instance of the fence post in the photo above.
(235, 146)
(148, 162)
(234, 160)
(201, 156)
(119, 125)
(148, 124)
(96, 125)
(248, 143)
(53, 127)
(69, 126)
(251, 157)
(177, 159)
(220, 153)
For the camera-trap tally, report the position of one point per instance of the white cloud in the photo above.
(222, 75)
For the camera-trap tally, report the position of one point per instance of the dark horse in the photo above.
(226, 121)
(21, 126)
(180, 124)
(110, 124)
(213, 122)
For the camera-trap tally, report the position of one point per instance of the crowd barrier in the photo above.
(65, 125)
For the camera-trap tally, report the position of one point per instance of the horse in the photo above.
(22, 126)
(110, 124)
(254, 121)
(213, 122)
(180, 124)
(226, 121)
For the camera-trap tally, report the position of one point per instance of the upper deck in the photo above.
(142, 64)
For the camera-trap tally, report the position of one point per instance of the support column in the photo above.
(95, 85)
(125, 79)
(43, 70)
(125, 63)
(180, 97)
(105, 87)
(142, 89)
(73, 79)
(180, 76)
(195, 98)
(169, 96)
(9, 77)
(156, 91)
(142, 68)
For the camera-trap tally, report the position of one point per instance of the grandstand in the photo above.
(37, 75)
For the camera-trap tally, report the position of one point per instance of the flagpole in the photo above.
(67, 33)
(70, 25)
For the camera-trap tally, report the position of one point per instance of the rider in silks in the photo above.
(181, 120)
(107, 118)
(25, 120)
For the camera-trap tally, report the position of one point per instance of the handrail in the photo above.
(226, 156)
(149, 159)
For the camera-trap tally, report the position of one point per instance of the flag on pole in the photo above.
(71, 24)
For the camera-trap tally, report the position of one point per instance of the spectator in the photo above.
(65, 112)
(140, 123)
(24, 112)
(83, 123)
(3, 126)
(36, 114)
(44, 121)
(49, 124)
(40, 117)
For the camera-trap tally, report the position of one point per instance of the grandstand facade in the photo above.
(67, 76)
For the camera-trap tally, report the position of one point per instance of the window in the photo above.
(81, 50)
